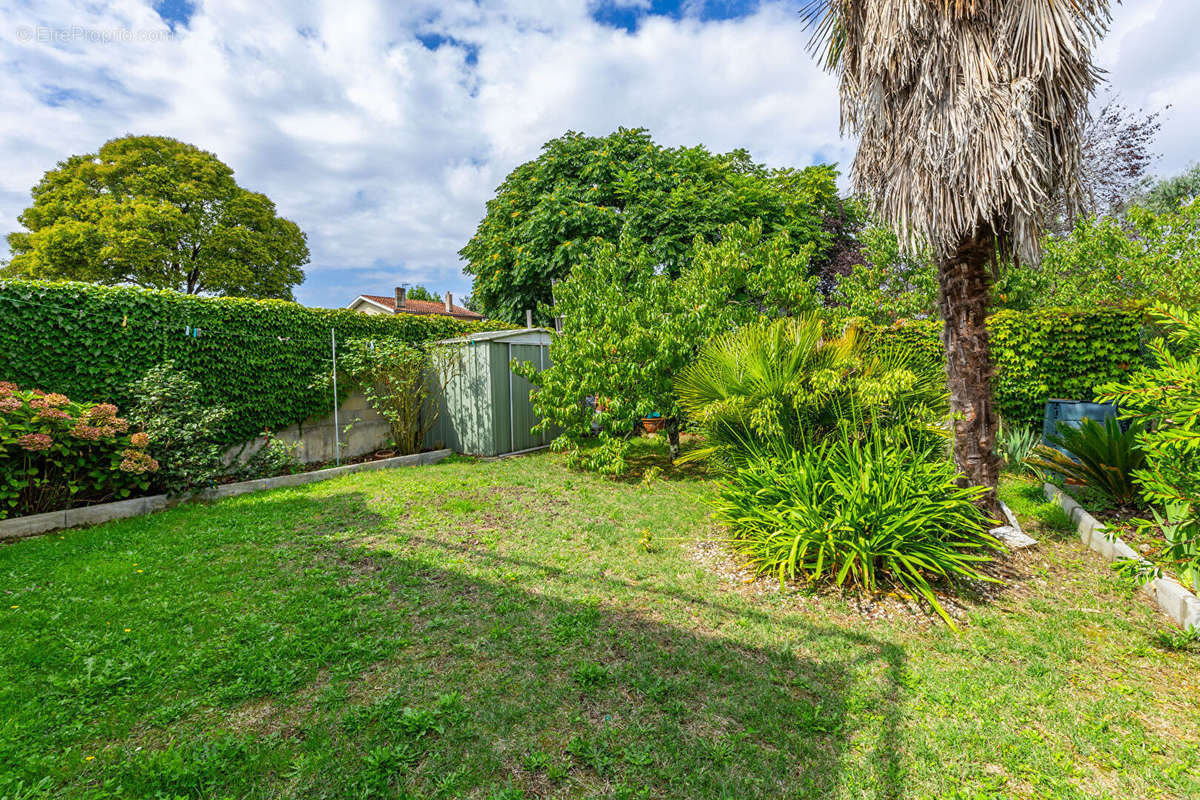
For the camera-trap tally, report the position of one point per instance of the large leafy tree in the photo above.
(419, 292)
(159, 213)
(970, 116)
(583, 191)
(1145, 257)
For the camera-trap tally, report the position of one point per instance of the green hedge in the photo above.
(1056, 352)
(259, 358)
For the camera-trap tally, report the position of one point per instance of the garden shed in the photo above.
(487, 409)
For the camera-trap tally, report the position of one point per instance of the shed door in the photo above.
(523, 418)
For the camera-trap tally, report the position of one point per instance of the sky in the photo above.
(382, 128)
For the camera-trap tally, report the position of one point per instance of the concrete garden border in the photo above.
(35, 524)
(1011, 533)
(1176, 601)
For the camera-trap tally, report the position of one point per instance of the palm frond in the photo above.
(969, 113)
(1102, 457)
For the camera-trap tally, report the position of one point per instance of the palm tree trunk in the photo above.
(964, 286)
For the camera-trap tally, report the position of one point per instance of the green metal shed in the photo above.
(486, 409)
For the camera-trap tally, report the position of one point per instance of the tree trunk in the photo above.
(964, 277)
(672, 426)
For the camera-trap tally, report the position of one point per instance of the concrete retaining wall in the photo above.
(35, 524)
(316, 435)
(1177, 602)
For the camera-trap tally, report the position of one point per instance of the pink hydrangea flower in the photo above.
(54, 399)
(39, 402)
(137, 462)
(54, 413)
(139, 440)
(84, 431)
(35, 441)
(7, 388)
(10, 404)
(102, 411)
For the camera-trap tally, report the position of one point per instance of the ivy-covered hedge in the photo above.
(1043, 354)
(259, 358)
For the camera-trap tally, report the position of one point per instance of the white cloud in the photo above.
(385, 150)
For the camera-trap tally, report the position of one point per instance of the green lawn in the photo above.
(511, 629)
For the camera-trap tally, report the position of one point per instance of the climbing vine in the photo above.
(264, 360)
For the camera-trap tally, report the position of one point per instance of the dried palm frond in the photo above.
(969, 113)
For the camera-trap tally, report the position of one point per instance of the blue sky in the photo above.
(382, 128)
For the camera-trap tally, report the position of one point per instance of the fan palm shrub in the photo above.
(1102, 457)
(861, 512)
(786, 383)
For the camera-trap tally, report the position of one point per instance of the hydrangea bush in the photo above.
(58, 454)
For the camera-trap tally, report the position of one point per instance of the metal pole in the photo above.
(512, 425)
(554, 305)
(337, 428)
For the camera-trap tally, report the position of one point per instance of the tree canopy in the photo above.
(585, 191)
(159, 213)
(1169, 194)
(1115, 156)
(1137, 257)
(419, 292)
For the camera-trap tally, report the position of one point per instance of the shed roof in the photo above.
(520, 336)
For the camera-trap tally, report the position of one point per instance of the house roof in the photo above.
(419, 307)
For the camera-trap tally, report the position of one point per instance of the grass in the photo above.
(511, 629)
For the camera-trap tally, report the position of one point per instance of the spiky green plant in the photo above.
(1101, 457)
(862, 513)
(786, 383)
(1016, 445)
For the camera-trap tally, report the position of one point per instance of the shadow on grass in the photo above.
(498, 677)
(649, 454)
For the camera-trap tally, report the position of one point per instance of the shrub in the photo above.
(1101, 457)
(403, 383)
(858, 513)
(1142, 256)
(58, 454)
(785, 383)
(1165, 399)
(629, 328)
(1040, 354)
(182, 429)
(273, 457)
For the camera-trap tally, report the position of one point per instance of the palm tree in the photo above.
(969, 115)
